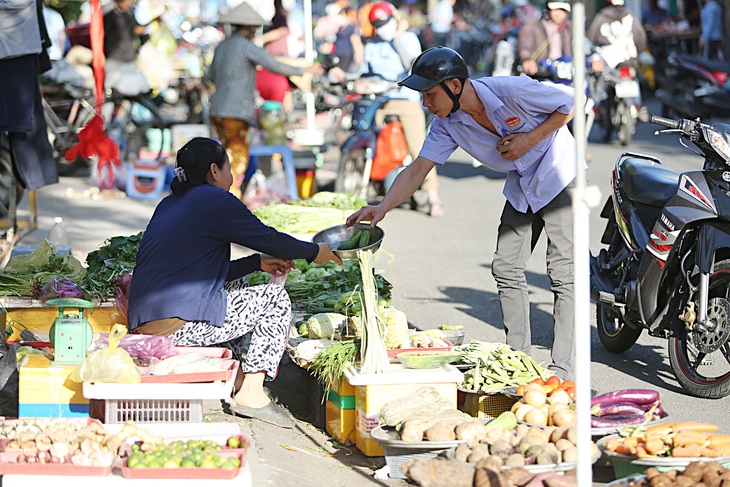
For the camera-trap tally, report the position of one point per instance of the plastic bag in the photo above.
(121, 292)
(144, 348)
(278, 277)
(60, 287)
(111, 364)
(391, 150)
(34, 261)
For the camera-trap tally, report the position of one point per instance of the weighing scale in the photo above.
(71, 333)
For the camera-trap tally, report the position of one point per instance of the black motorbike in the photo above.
(694, 87)
(666, 267)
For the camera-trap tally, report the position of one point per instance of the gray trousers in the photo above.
(518, 233)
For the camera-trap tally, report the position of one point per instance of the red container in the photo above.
(185, 473)
(229, 367)
(79, 35)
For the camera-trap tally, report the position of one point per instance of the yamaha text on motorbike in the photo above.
(666, 267)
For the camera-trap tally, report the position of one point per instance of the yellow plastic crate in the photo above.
(32, 314)
(482, 405)
(340, 423)
(45, 390)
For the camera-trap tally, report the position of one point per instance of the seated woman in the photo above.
(186, 286)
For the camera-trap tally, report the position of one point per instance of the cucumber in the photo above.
(352, 242)
(364, 238)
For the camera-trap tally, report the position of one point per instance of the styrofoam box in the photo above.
(205, 390)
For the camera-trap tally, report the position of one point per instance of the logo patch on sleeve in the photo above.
(511, 122)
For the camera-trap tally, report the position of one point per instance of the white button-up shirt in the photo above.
(513, 105)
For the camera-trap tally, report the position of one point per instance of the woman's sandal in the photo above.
(272, 413)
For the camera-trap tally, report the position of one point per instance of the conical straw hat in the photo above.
(244, 14)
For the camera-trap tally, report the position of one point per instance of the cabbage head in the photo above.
(325, 325)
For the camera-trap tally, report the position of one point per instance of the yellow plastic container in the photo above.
(35, 316)
(45, 390)
(306, 183)
(340, 423)
(374, 390)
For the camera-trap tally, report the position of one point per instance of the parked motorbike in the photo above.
(618, 96)
(695, 87)
(356, 174)
(666, 267)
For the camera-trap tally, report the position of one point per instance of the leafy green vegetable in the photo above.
(115, 258)
(295, 219)
(326, 199)
(25, 275)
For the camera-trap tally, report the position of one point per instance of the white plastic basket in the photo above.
(153, 410)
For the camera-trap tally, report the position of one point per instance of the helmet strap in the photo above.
(454, 97)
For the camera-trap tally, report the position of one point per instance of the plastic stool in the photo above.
(287, 160)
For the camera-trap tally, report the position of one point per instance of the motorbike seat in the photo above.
(647, 182)
(708, 64)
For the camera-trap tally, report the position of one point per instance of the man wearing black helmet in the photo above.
(515, 125)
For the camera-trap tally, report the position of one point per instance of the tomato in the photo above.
(568, 383)
(538, 380)
(520, 390)
(548, 388)
(553, 379)
(558, 388)
(571, 392)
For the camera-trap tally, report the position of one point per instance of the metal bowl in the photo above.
(335, 236)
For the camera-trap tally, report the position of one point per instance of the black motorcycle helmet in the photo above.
(433, 67)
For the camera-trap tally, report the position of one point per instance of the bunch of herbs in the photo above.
(115, 258)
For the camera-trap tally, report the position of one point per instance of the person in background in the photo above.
(363, 20)
(712, 39)
(526, 11)
(443, 16)
(340, 41)
(516, 125)
(655, 17)
(390, 55)
(185, 285)
(274, 86)
(412, 13)
(56, 27)
(122, 34)
(233, 73)
(618, 32)
(547, 38)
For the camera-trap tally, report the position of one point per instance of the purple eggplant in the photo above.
(616, 409)
(617, 421)
(636, 396)
(656, 405)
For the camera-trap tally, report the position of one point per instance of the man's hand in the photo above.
(373, 214)
(529, 66)
(514, 146)
(274, 264)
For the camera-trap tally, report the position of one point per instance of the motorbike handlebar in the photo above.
(666, 122)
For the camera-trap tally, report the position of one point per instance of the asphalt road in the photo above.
(440, 270)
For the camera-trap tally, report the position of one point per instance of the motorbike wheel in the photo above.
(626, 123)
(615, 335)
(701, 361)
(350, 173)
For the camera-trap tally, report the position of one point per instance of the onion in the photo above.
(559, 396)
(522, 412)
(535, 397)
(564, 417)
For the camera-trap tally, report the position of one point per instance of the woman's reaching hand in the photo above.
(274, 265)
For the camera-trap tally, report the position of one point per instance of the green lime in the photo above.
(229, 464)
(171, 463)
(188, 463)
(156, 463)
(208, 463)
(233, 442)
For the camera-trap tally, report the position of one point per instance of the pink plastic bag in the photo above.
(144, 348)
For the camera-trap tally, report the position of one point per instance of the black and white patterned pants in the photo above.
(263, 310)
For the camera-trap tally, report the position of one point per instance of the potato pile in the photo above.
(439, 472)
(525, 445)
(697, 474)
